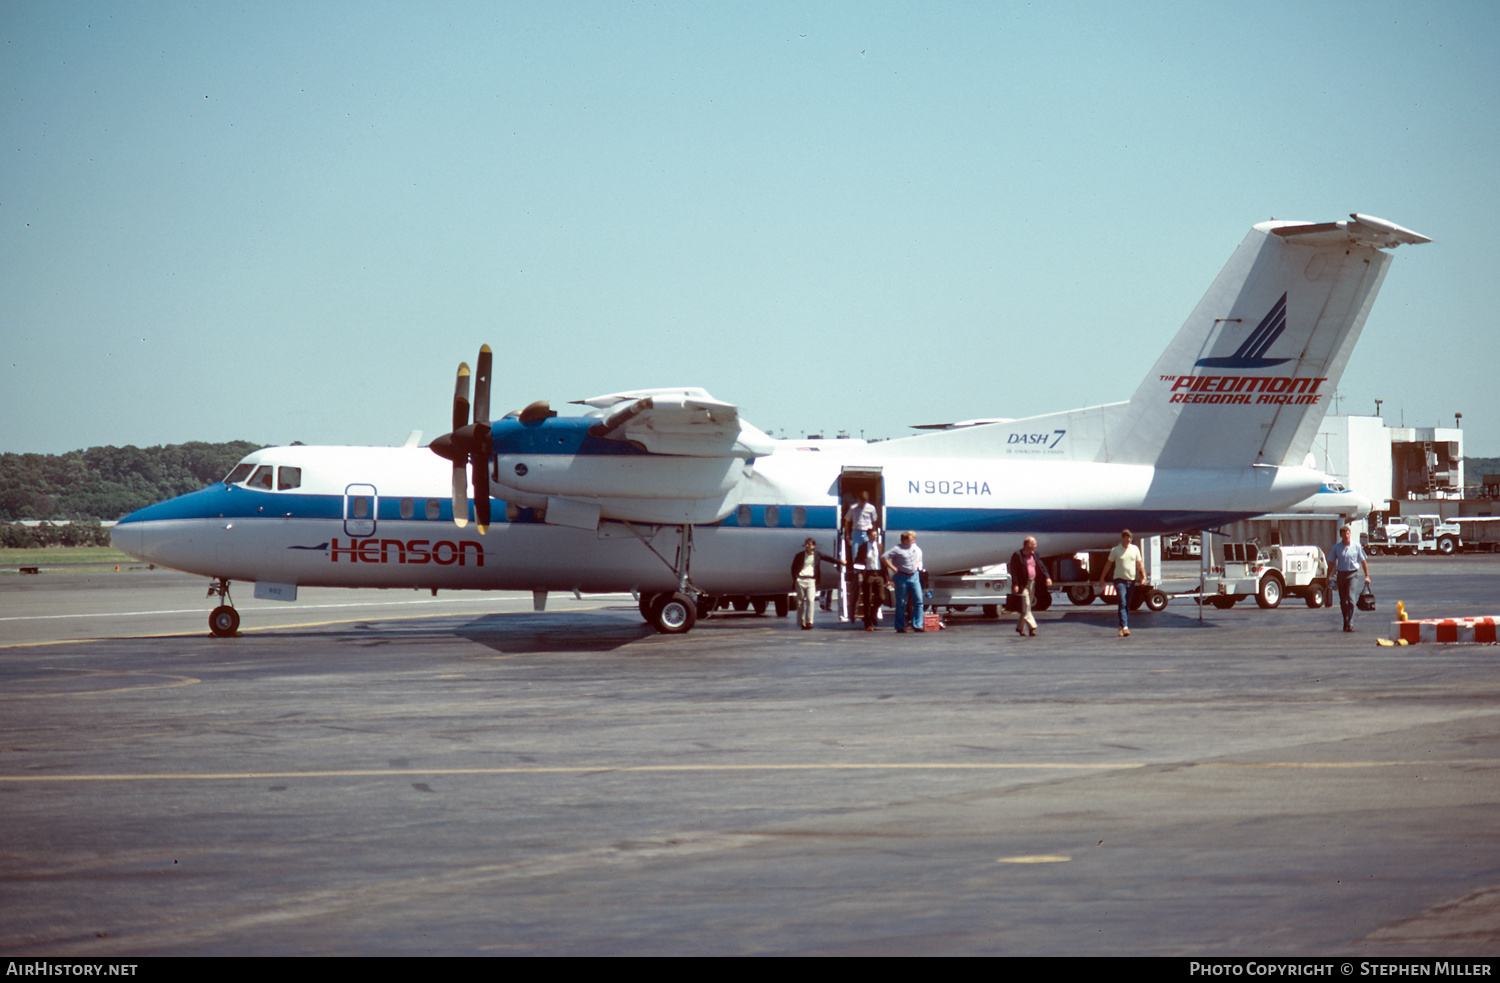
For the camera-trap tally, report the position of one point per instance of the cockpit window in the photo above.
(289, 478)
(239, 474)
(261, 478)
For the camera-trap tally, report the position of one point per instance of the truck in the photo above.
(1481, 533)
(1413, 534)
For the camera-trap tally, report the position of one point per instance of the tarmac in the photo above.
(384, 772)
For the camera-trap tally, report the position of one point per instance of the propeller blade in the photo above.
(461, 396)
(482, 387)
(468, 445)
(453, 446)
(460, 495)
(480, 462)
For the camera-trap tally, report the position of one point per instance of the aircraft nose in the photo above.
(128, 537)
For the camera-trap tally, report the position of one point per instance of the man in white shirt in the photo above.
(860, 522)
(1129, 571)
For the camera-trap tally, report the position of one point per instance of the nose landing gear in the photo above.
(224, 620)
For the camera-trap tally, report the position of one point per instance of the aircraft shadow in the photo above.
(1142, 618)
(538, 632)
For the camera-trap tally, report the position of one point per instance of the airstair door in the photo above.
(858, 486)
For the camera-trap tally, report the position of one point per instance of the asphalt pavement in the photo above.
(390, 773)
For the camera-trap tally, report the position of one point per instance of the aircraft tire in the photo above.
(782, 603)
(674, 614)
(741, 603)
(1271, 589)
(1317, 594)
(224, 621)
(758, 605)
(706, 605)
(647, 602)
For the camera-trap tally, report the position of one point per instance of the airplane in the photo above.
(669, 494)
(1334, 498)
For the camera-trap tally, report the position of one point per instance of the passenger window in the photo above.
(239, 474)
(432, 508)
(799, 516)
(773, 515)
(261, 478)
(289, 478)
(742, 515)
(360, 507)
(408, 508)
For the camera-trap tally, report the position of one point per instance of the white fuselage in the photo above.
(966, 512)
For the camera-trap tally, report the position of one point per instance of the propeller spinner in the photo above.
(469, 443)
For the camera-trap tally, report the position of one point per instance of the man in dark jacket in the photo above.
(1027, 572)
(805, 567)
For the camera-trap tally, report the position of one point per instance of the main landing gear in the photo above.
(671, 614)
(674, 612)
(224, 620)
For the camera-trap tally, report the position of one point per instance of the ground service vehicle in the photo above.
(1411, 534)
(1268, 575)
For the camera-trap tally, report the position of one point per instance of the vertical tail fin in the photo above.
(1248, 378)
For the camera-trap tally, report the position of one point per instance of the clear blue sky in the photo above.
(291, 221)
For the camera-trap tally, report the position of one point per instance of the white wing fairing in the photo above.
(668, 492)
(655, 456)
(684, 422)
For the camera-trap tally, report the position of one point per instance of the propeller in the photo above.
(469, 443)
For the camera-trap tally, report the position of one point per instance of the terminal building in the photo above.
(1408, 471)
(1393, 466)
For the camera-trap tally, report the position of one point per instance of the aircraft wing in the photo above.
(678, 422)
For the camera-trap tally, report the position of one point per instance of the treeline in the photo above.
(108, 482)
(1475, 468)
(79, 532)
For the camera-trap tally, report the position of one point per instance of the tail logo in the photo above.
(1250, 354)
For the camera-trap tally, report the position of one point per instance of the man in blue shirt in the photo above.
(905, 563)
(1347, 558)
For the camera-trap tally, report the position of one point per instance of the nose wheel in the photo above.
(224, 620)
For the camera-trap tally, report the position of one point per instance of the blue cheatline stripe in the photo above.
(242, 503)
(235, 502)
(970, 520)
